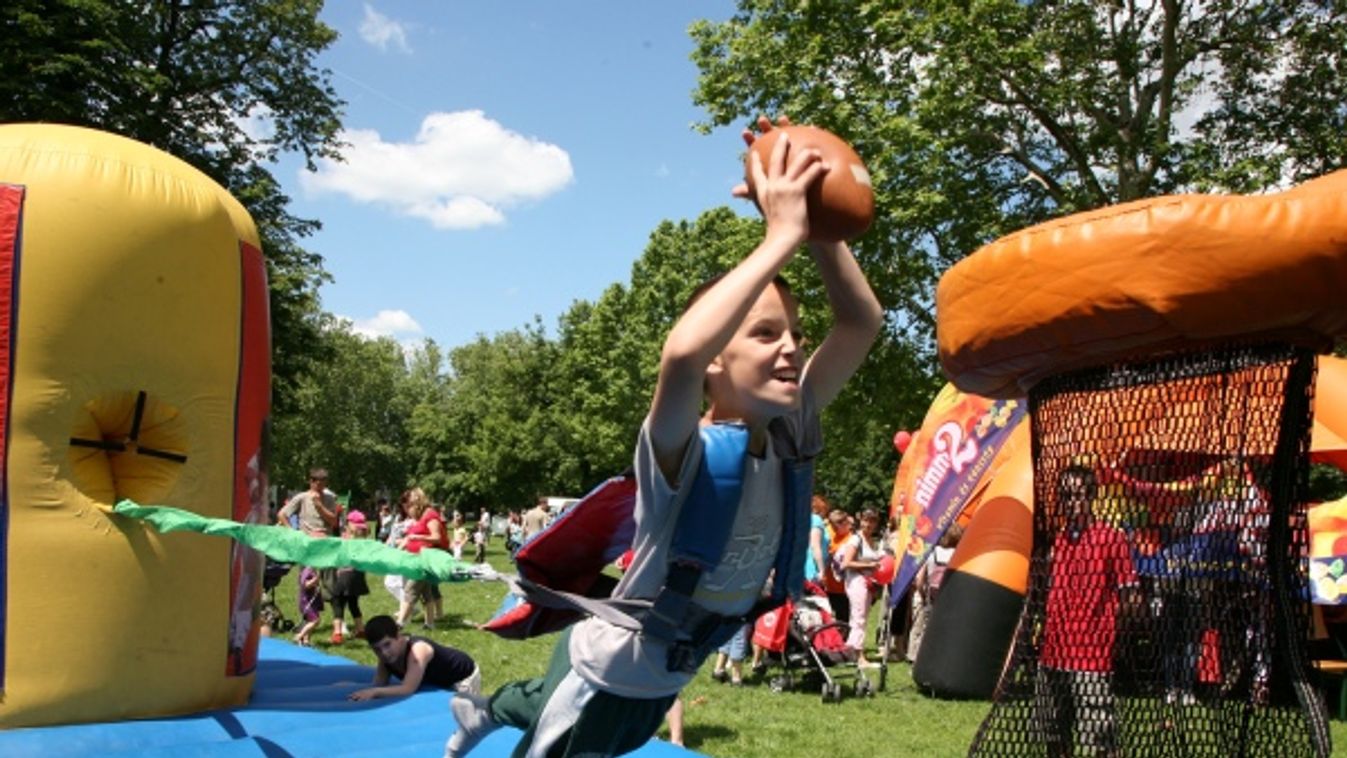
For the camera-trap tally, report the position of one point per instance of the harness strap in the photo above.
(619, 612)
(701, 533)
(691, 631)
(790, 557)
(703, 527)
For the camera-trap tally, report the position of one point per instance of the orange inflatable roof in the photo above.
(1143, 278)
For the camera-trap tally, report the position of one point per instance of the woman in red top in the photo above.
(427, 531)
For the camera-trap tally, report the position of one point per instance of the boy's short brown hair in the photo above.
(778, 280)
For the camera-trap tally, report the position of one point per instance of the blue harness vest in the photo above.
(700, 535)
(699, 539)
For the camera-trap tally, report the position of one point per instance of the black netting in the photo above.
(1167, 606)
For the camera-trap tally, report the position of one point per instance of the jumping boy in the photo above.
(415, 661)
(608, 688)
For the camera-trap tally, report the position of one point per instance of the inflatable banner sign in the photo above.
(942, 470)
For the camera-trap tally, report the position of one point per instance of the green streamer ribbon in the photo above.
(291, 546)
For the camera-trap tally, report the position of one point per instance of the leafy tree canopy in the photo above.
(350, 416)
(979, 118)
(225, 85)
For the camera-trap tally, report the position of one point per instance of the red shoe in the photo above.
(336, 638)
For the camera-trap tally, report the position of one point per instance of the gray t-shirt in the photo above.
(627, 664)
(310, 521)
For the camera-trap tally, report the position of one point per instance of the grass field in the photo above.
(720, 720)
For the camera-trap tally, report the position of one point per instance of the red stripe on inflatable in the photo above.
(253, 405)
(11, 216)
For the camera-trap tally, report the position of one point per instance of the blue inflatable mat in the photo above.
(298, 708)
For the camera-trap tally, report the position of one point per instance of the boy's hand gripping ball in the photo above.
(842, 204)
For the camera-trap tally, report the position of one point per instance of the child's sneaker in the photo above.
(474, 723)
(336, 638)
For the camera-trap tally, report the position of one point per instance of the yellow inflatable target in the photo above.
(134, 350)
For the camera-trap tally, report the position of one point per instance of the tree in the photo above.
(601, 392)
(491, 442)
(351, 416)
(980, 118)
(609, 350)
(225, 85)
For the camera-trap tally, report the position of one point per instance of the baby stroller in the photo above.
(808, 641)
(270, 613)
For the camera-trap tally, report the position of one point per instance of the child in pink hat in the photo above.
(349, 584)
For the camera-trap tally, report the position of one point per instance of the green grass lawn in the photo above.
(720, 720)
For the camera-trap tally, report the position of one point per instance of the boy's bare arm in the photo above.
(418, 656)
(707, 326)
(857, 318)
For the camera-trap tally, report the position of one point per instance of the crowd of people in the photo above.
(413, 524)
(843, 554)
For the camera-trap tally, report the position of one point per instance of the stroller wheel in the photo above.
(832, 692)
(864, 688)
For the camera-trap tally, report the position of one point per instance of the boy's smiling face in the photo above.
(757, 376)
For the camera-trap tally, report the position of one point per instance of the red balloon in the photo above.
(901, 440)
(886, 569)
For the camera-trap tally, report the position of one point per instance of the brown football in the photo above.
(841, 206)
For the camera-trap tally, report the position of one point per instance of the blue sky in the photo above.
(506, 159)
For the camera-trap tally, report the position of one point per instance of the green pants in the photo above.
(608, 724)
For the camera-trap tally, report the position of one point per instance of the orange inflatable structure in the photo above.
(1121, 283)
(1142, 278)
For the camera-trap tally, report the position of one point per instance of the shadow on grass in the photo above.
(695, 735)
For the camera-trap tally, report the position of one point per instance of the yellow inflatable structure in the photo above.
(134, 345)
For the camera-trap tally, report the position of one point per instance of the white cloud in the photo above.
(257, 124)
(381, 31)
(387, 323)
(662, 171)
(461, 171)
